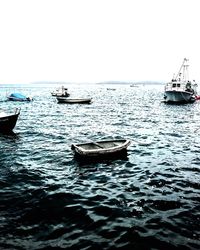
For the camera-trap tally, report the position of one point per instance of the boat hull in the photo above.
(28, 99)
(101, 149)
(73, 101)
(173, 96)
(8, 122)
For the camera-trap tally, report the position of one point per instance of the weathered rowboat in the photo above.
(8, 121)
(73, 100)
(101, 148)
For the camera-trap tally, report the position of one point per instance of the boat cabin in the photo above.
(175, 85)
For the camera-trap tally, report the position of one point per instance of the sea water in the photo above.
(150, 200)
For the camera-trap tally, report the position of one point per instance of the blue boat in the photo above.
(19, 97)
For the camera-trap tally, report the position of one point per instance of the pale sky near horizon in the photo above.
(97, 40)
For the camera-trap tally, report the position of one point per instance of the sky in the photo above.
(97, 40)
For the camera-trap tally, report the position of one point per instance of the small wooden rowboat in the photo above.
(73, 100)
(101, 148)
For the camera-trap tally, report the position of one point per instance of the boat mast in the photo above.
(183, 71)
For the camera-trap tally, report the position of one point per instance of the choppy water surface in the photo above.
(151, 200)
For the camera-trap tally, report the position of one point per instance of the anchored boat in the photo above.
(62, 92)
(19, 97)
(181, 89)
(101, 149)
(8, 121)
(73, 100)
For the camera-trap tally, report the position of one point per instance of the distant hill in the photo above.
(114, 82)
(132, 82)
(105, 82)
(49, 82)
(149, 82)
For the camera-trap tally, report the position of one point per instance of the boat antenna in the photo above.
(184, 69)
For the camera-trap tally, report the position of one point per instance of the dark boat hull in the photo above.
(19, 99)
(122, 155)
(7, 123)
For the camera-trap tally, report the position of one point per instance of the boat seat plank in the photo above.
(97, 144)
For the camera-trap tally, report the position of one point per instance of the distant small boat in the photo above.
(8, 121)
(111, 89)
(61, 92)
(74, 100)
(134, 85)
(101, 148)
(19, 97)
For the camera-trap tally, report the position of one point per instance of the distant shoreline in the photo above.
(95, 83)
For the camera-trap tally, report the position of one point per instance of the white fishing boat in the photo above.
(181, 89)
(74, 100)
(60, 92)
(134, 85)
(101, 148)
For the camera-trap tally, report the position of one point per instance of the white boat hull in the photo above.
(73, 100)
(173, 96)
